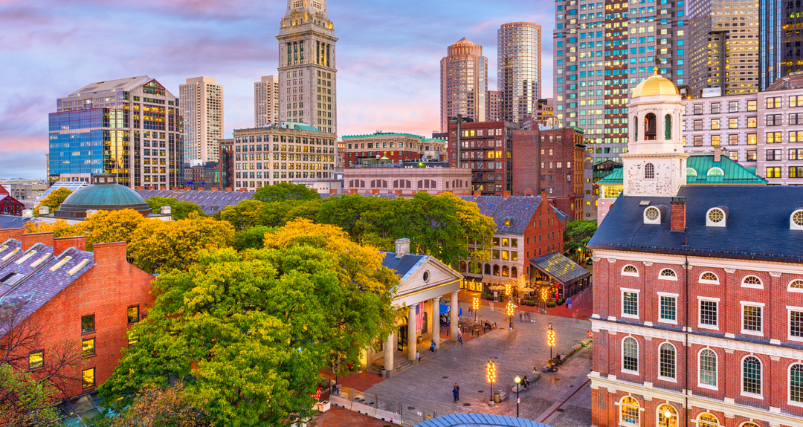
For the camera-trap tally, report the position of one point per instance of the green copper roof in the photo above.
(100, 196)
(385, 135)
(708, 172)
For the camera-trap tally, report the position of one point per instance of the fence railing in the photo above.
(380, 407)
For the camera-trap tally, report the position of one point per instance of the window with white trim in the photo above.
(707, 420)
(709, 314)
(666, 361)
(629, 270)
(710, 278)
(668, 308)
(749, 424)
(630, 355)
(629, 411)
(752, 282)
(668, 274)
(629, 304)
(795, 286)
(751, 319)
(751, 375)
(796, 383)
(663, 420)
(796, 324)
(708, 368)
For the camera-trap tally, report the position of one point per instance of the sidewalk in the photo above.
(582, 305)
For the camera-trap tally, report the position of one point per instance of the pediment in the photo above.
(438, 274)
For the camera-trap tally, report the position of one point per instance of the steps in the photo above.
(401, 363)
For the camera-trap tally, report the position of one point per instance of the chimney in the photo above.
(402, 247)
(200, 189)
(11, 233)
(63, 243)
(477, 193)
(717, 154)
(28, 240)
(398, 192)
(677, 214)
(165, 210)
(213, 189)
(243, 190)
(505, 194)
(109, 254)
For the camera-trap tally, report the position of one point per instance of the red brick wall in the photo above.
(538, 236)
(61, 244)
(480, 177)
(106, 290)
(29, 240)
(15, 233)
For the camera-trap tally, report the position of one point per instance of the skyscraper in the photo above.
(602, 50)
(781, 37)
(519, 73)
(493, 106)
(266, 101)
(129, 127)
(307, 66)
(201, 102)
(464, 82)
(723, 47)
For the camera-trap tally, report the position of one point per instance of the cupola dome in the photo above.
(655, 85)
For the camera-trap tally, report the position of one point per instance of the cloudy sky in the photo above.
(388, 57)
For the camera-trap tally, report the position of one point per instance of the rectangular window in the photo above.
(796, 101)
(773, 137)
(715, 140)
(715, 108)
(773, 120)
(708, 314)
(36, 359)
(751, 319)
(796, 119)
(698, 125)
(133, 314)
(698, 140)
(733, 139)
(773, 172)
(88, 347)
(751, 155)
(773, 155)
(668, 308)
(88, 378)
(714, 124)
(796, 324)
(796, 172)
(630, 304)
(752, 122)
(733, 106)
(752, 105)
(796, 154)
(698, 109)
(773, 102)
(733, 123)
(795, 136)
(88, 324)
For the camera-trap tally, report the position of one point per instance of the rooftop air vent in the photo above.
(654, 214)
(796, 220)
(716, 217)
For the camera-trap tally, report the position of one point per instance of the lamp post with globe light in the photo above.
(518, 381)
(550, 339)
(490, 370)
(475, 305)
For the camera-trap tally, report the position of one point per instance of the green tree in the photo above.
(577, 235)
(252, 329)
(54, 200)
(285, 191)
(178, 209)
(159, 246)
(25, 401)
(246, 214)
(251, 238)
(155, 406)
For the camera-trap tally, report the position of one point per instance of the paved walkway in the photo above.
(582, 305)
(428, 385)
(339, 417)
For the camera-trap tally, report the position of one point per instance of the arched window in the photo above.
(667, 361)
(630, 354)
(668, 274)
(709, 277)
(505, 271)
(715, 172)
(496, 270)
(488, 269)
(463, 266)
(796, 383)
(796, 285)
(629, 270)
(649, 171)
(707, 420)
(629, 411)
(514, 272)
(708, 367)
(635, 128)
(751, 375)
(749, 424)
(691, 172)
(667, 127)
(650, 127)
(752, 282)
(671, 420)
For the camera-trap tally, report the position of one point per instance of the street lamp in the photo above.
(550, 339)
(490, 370)
(475, 305)
(517, 380)
(507, 290)
(510, 309)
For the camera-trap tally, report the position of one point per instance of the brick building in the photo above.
(89, 299)
(407, 179)
(9, 205)
(226, 165)
(486, 149)
(698, 297)
(397, 147)
(546, 160)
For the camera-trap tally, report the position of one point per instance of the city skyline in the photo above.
(51, 49)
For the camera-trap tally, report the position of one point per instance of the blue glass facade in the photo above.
(781, 40)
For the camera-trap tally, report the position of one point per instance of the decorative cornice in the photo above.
(595, 259)
(775, 274)
(611, 260)
(647, 263)
(730, 270)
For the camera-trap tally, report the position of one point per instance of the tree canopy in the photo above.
(285, 191)
(577, 235)
(101, 227)
(54, 200)
(250, 331)
(178, 209)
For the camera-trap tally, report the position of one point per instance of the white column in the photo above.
(436, 322)
(411, 348)
(454, 316)
(390, 348)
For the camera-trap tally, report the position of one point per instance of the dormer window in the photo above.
(796, 220)
(715, 172)
(653, 215)
(691, 172)
(716, 217)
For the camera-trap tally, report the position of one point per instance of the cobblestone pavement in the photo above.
(428, 385)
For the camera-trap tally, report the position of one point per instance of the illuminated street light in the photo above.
(490, 370)
(509, 309)
(518, 381)
(475, 305)
(550, 339)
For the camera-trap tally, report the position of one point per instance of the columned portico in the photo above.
(436, 322)
(411, 348)
(455, 315)
(390, 348)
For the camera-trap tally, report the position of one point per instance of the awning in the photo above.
(496, 288)
(561, 269)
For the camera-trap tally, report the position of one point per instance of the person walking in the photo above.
(432, 346)
(418, 356)
(460, 337)
(456, 392)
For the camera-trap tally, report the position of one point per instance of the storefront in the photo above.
(555, 277)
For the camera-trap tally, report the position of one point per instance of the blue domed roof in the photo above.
(104, 195)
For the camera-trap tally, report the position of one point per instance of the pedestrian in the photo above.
(456, 393)
(432, 346)
(460, 338)
(418, 355)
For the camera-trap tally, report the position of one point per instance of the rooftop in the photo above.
(394, 135)
(560, 268)
(125, 84)
(702, 169)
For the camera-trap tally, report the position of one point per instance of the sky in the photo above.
(389, 56)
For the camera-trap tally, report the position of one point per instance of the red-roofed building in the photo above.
(9, 205)
(86, 299)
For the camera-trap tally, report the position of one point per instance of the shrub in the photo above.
(551, 304)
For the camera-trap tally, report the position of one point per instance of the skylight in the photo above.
(39, 262)
(78, 267)
(10, 254)
(28, 255)
(59, 264)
